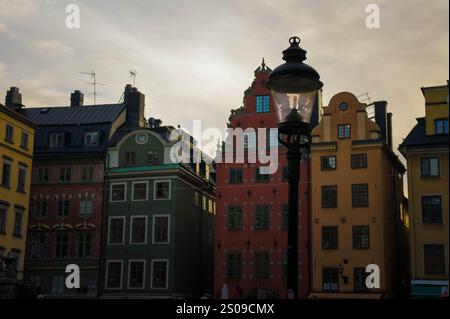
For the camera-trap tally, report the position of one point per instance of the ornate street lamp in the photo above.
(294, 87)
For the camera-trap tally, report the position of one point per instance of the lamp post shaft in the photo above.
(293, 157)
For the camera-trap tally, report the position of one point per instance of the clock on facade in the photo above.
(141, 138)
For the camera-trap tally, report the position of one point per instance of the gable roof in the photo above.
(73, 115)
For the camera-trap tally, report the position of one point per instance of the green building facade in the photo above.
(158, 239)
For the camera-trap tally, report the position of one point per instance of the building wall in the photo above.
(10, 197)
(248, 241)
(436, 105)
(381, 214)
(45, 271)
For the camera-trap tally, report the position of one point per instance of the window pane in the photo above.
(434, 259)
(140, 191)
(329, 237)
(136, 279)
(116, 231)
(360, 195)
(361, 237)
(431, 209)
(162, 190)
(329, 196)
(118, 192)
(114, 274)
(138, 230)
(161, 229)
(159, 275)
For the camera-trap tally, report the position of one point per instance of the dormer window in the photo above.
(441, 126)
(56, 139)
(91, 139)
(262, 103)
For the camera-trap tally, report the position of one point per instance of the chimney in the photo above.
(389, 130)
(13, 98)
(381, 120)
(135, 102)
(76, 98)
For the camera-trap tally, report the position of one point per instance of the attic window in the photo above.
(56, 139)
(91, 139)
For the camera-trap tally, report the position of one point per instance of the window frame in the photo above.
(24, 140)
(143, 273)
(235, 180)
(123, 229)
(441, 221)
(443, 120)
(237, 217)
(354, 160)
(327, 157)
(133, 183)
(263, 212)
(167, 274)
(153, 229)
(124, 192)
(335, 233)
(155, 182)
(358, 194)
(90, 134)
(54, 143)
(262, 103)
(430, 175)
(132, 217)
(361, 246)
(344, 130)
(442, 245)
(9, 133)
(334, 269)
(323, 187)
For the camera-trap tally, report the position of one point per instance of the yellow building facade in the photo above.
(359, 214)
(16, 153)
(426, 151)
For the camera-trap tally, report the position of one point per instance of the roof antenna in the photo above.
(133, 74)
(94, 83)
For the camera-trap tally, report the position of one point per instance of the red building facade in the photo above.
(251, 218)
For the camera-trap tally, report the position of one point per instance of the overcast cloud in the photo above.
(195, 58)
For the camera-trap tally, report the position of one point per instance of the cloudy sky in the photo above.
(195, 58)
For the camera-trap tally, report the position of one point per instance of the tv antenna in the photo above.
(133, 74)
(94, 83)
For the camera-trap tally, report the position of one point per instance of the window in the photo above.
(328, 163)
(138, 233)
(24, 141)
(250, 140)
(429, 167)
(40, 208)
(160, 274)
(6, 174)
(116, 230)
(58, 284)
(343, 106)
(431, 210)
(261, 177)
(21, 179)
(234, 265)
(65, 174)
(9, 135)
(86, 208)
(118, 192)
(87, 173)
(235, 175)
(261, 265)
(330, 279)
(162, 190)
(343, 131)
(261, 217)
(284, 216)
(234, 217)
(3, 213)
(161, 224)
(63, 208)
(139, 191)
(262, 103)
(361, 237)
(330, 237)
(113, 274)
(42, 176)
(91, 139)
(359, 160)
(84, 244)
(329, 196)
(152, 157)
(204, 203)
(434, 259)
(360, 195)
(130, 157)
(210, 206)
(18, 221)
(207, 172)
(56, 140)
(441, 126)
(62, 244)
(38, 245)
(197, 199)
(136, 274)
(359, 279)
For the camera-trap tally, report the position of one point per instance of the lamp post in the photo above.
(294, 87)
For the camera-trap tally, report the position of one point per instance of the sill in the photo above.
(2, 233)
(8, 141)
(433, 223)
(261, 229)
(234, 228)
(430, 177)
(327, 169)
(24, 148)
(5, 186)
(17, 235)
(21, 191)
(360, 205)
(361, 248)
(359, 167)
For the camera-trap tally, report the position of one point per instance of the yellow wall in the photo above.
(436, 105)
(379, 215)
(11, 195)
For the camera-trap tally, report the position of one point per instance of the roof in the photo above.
(417, 137)
(16, 115)
(73, 115)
